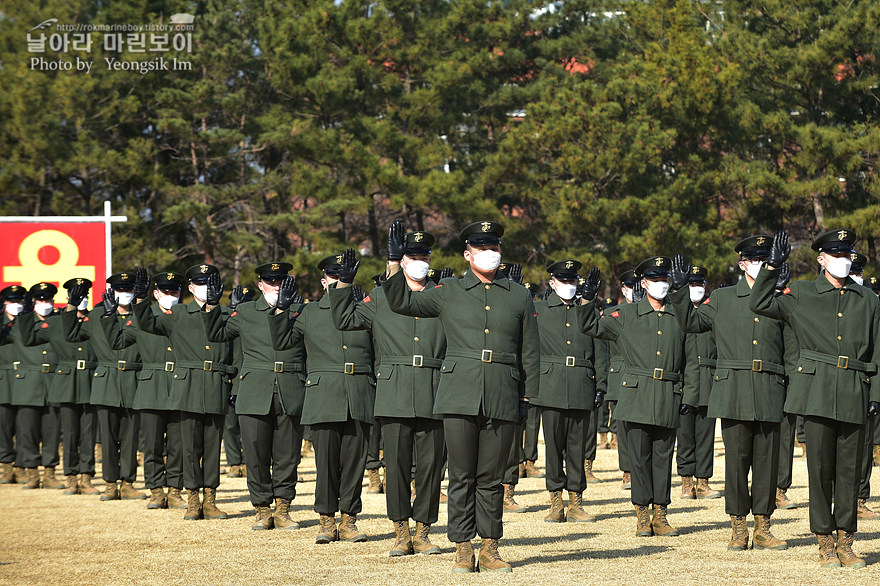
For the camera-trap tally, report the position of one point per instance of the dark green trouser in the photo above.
(786, 450)
(374, 462)
(232, 440)
(340, 457)
(78, 423)
(867, 459)
(514, 457)
(605, 418)
(696, 444)
(834, 456)
(163, 448)
(591, 441)
(37, 431)
(119, 430)
(7, 432)
(200, 434)
(413, 443)
(622, 444)
(750, 445)
(651, 459)
(565, 432)
(478, 449)
(532, 428)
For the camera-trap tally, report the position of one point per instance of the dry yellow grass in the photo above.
(48, 538)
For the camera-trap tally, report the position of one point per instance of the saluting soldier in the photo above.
(788, 427)
(199, 385)
(568, 392)
(12, 297)
(492, 338)
(235, 467)
(269, 400)
(837, 324)
(410, 352)
(339, 399)
(659, 365)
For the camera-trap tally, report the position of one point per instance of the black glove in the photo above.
(27, 304)
(236, 297)
(298, 299)
(686, 409)
(215, 289)
(638, 292)
(109, 301)
(600, 398)
(141, 283)
(348, 268)
(784, 276)
(779, 250)
(547, 292)
(395, 240)
(286, 293)
(515, 273)
(873, 408)
(76, 294)
(357, 293)
(591, 284)
(446, 273)
(231, 400)
(523, 412)
(680, 272)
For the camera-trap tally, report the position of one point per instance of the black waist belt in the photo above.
(278, 366)
(482, 355)
(205, 365)
(753, 365)
(80, 364)
(121, 365)
(416, 360)
(707, 362)
(566, 360)
(345, 368)
(45, 367)
(844, 362)
(656, 374)
(162, 366)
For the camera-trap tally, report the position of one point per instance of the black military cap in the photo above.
(532, 287)
(698, 274)
(433, 276)
(418, 243)
(858, 262)
(378, 283)
(606, 303)
(565, 270)
(169, 281)
(43, 291)
(627, 278)
(835, 242)
(198, 274)
(482, 233)
(504, 268)
(121, 281)
(78, 281)
(754, 246)
(873, 283)
(273, 271)
(330, 264)
(247, 294)
(13, 292)
(654, 267)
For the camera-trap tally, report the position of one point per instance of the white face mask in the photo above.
(565, 291)
(416, 269)
(43, 308)
(83, 305)
(271, 298)
(14, 308)
(859, 280)
(166, 301)
(838, 266)
(753, 268)
(124, 297)
(487, 260)
(627, 294)
(697, 294)
(200, 292)
(658, 289)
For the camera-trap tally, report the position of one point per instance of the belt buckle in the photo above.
(15, 365)
(169, 367)
(208, 365)
(120, 365)
(279, 367)
(757, 365)
(844, 360)
(348, 368)
(569, 360)
(45, 368)
(486, 356)
(418, 359)
(658, 376)
(80, 364)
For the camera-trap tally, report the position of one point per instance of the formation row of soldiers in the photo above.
(451, 369)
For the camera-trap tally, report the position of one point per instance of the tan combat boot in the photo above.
(464, 558)
(233, 472)
(848, 559)
(157, 499)
(688, 490)
(626, 482)
(327, 531)
(50, 480)
(643, 522)
(209, 505)
(827, 555)
(85, 485)
(7, 476)
(375, 486)
(490, 560)
(532, 471)
(576, 512)
(71, 486)
(660, 525)
(32, 479)
(193, 506)
(281, 516)
(557, 508)
(403, 544)
(588, 469)
(20, 475)
(111, 492)
(782, 500)
(421, 541)
(613, 441)
(264, 519)
(175, 501)
(703, 491)
(739, 540)
(866, 514)
(876, 455)
(510, 505)
(603, 441)
(348, 529)
(762, 538)
(129, 493)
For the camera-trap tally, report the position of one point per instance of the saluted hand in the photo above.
(215, 289)
(446, 273)
(75, 295)
(779, 250)
(236, 296)
(141, 283)
(515, 273)
(638, 292)
(396, 246)
(108, 299)
(357, 293)
(591, 284)
(286, 293)
(680, 272)
(349, 264)
(784, 276)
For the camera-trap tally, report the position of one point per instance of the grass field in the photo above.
(49, 538)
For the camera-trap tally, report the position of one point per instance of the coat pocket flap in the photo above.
(313, 379)
(722, 373)
(630, 381)
(806, 366)
(385, 371)
(448, 366)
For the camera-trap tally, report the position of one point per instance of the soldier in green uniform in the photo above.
(659, 365)
(410, 352)
(339, 400)
(492, 338)
(568, 392)
(199, 385)
(113, 384)
(696, 434)
(873, 283)
(837, 324)
(235, 467)
(269, 401)
(789, 420)
(70, 389)
(12, 298)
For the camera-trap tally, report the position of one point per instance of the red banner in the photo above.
(53, 252)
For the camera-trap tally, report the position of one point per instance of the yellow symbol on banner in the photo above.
(33, 269)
